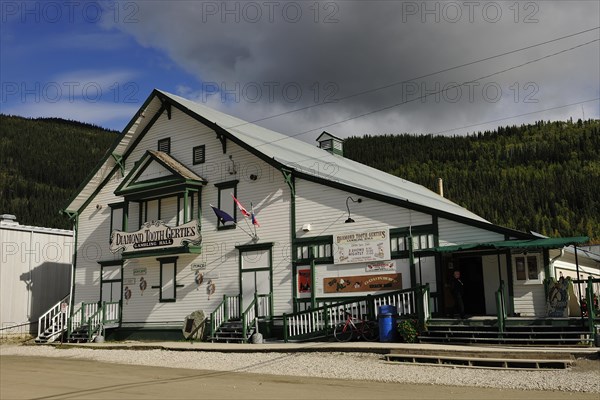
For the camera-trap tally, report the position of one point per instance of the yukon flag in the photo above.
(254, 220)
(240, 206)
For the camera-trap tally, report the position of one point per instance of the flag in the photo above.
(222, 215)
(240, 206)
(254, 220)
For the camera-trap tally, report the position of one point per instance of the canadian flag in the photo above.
(240, 207)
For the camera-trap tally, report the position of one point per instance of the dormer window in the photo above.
(330, 143)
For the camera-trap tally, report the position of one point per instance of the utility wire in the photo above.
(485, 122)
(418, 77)
(433, 93)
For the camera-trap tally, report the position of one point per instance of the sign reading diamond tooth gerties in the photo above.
(156, 235)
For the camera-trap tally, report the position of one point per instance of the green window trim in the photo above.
(424, 239)
(224, 188)
(318, 249)
(167, 262)
(113, 207)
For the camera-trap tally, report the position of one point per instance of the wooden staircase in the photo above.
(231, 331)
(517, 331)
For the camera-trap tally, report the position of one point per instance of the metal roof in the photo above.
(309, 159)
(288, 151)
(531, 244)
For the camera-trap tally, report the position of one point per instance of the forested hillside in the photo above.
(42, 162)
(543, 177)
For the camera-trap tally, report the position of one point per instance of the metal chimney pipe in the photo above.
(441, 187)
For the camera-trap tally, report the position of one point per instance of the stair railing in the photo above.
(94, 323)
(54, 321)
(264, 304)
(110, 312)
(591, 306)
(501, 307)
(227, 309)
(81, 316)
(249, 317)
(321, 321)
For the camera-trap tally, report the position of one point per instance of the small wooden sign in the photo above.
(362, 283)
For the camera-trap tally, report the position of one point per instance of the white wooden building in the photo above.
(35, 273)
(320, 217)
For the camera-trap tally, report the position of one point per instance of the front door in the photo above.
(255, 272)
(255, 282)
(471, 273)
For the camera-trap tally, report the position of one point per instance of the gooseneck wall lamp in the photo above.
(359, 200)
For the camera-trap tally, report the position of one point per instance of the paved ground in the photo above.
(51, 378)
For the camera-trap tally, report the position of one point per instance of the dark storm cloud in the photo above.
(267, 58)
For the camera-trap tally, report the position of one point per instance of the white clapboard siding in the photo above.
(93, 242)
(268, 192)
(530, 300)
(324, 208)
(452, 232)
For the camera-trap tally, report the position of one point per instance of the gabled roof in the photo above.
(167, 172)
(328, 136)
(305, 160)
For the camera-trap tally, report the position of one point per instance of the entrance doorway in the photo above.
(254, 282)
(471, 274)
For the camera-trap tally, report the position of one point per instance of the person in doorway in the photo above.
(457, 287)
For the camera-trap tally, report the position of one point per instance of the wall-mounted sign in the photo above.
(381, 266)
(156, 235)
(365, 246)
(198, 267)
(139, 271)
(362, 283)
(304, 281)
(129, 281)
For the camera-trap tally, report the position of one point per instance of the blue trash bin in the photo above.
(387, 323)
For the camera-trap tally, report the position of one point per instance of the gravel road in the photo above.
(583, 377)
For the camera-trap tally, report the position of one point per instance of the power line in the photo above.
(487, 122)
(418, 77)
(433, 93)
(517, 116)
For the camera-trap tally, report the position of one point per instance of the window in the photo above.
(225, 202)
(198, 154)
(317, 249)
(421, 239)
(110, 287)
(193, 207)
(168, 279)
(116, 217)
(164, 145)
(526, 269)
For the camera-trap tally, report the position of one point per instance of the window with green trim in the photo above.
(168, 279)
(225, 202)
(198, 154)
(421, 238)
(116, 217)
(315, 249)
(193, 207)
(164, 145)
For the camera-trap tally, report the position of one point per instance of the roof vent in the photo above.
(8, 219)
(330, 143)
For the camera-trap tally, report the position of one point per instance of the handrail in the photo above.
(217, 317)
(94, 322)
(501, 307)
(54, 319)
(110, 312)
(248, 317)
(323, 319)
(591, 309)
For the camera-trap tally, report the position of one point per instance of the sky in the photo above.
(301, 67)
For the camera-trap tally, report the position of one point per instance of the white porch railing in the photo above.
(53, 322)
(321, 321)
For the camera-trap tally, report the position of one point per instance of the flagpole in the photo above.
(253, 224)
